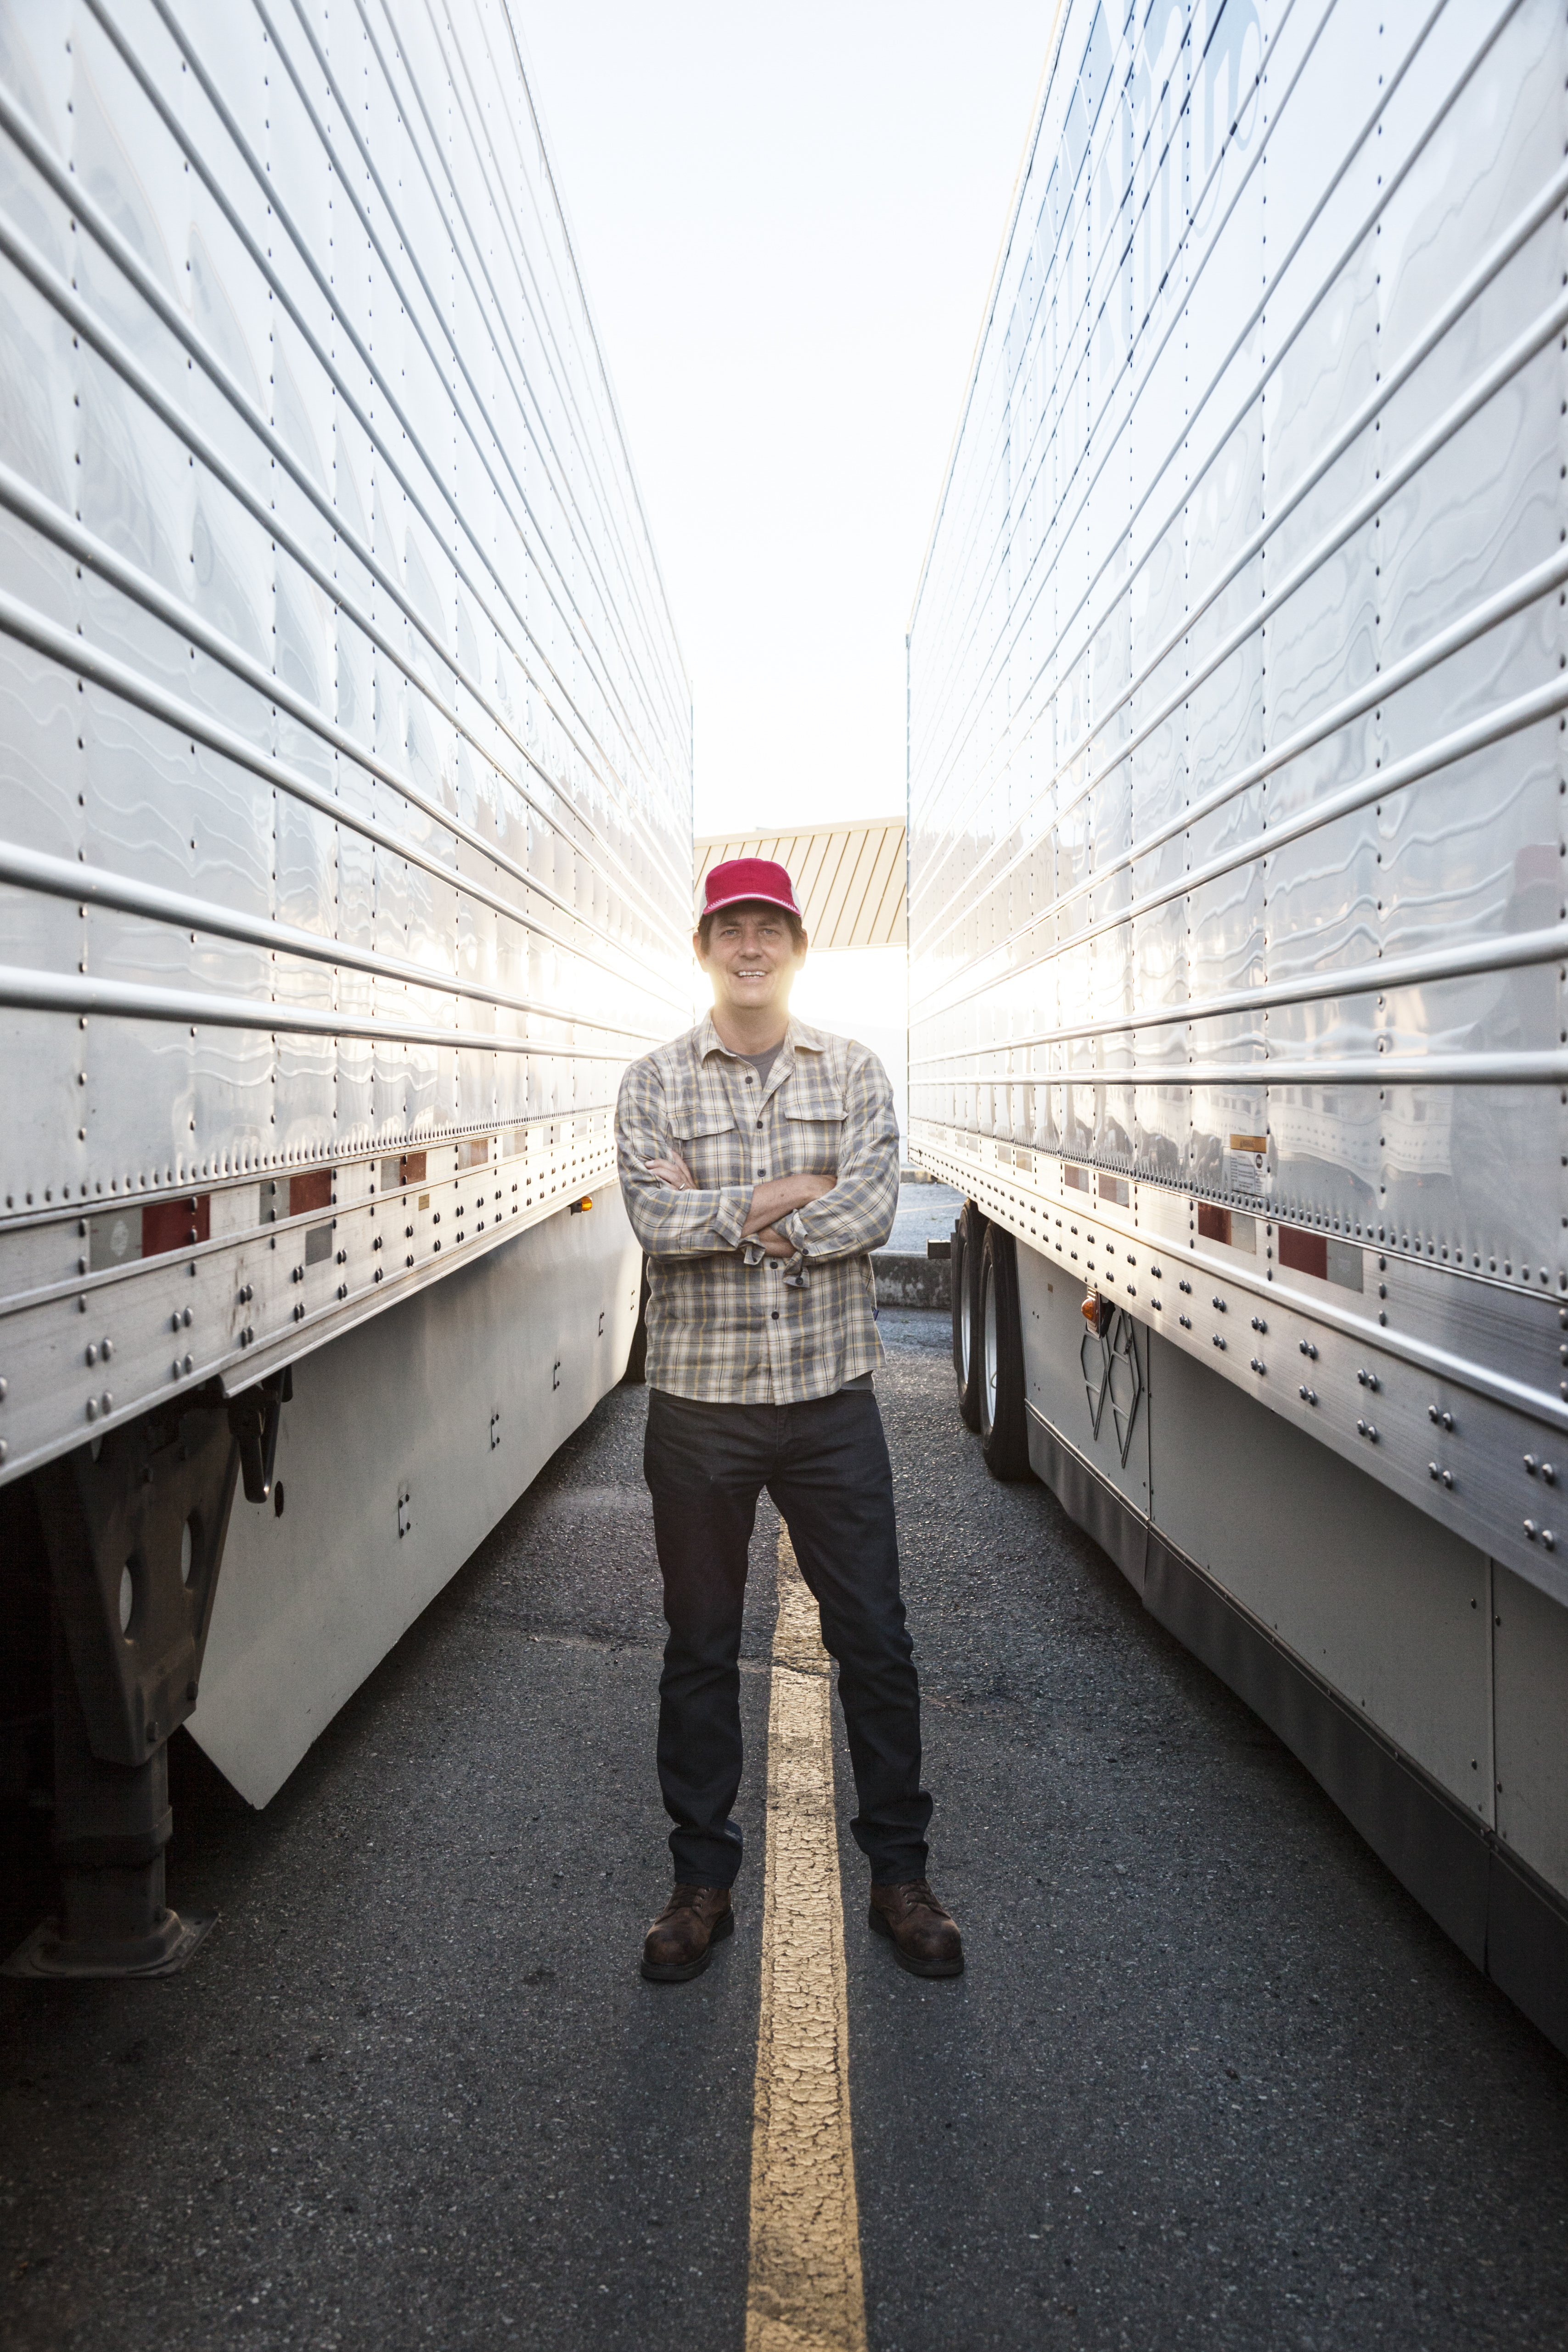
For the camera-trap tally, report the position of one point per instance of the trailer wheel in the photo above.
(968, 1235)
(1004, 1418)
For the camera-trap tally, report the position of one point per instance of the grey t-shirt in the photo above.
(762, 1064)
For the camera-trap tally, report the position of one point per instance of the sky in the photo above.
(786, 221)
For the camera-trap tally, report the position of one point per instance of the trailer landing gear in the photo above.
(135, 1532)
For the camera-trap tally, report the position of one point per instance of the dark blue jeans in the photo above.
(825, 1466)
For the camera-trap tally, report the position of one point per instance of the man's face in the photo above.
(751, 958)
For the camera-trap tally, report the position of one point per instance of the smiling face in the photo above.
(751, 960)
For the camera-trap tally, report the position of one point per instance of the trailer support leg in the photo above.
(113, 1822)
(136, 1533)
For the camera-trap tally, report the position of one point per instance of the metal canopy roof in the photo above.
(849, 878)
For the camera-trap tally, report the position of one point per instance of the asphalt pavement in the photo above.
(1210, 2076)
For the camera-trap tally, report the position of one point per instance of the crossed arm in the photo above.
(840, 1212)
(776, 1196)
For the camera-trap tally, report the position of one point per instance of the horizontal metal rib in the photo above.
(79, 992)
(1507, 718)
(84, 547)
(75, 654)
(1371, 1069)
(1516, 952)
(1498, 256)
(1483, 388)
(57, 878)
(84, 323)
(1441, 1362)
(243, 1169)
(450, 201)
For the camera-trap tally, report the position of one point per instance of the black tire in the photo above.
(999, 1359)
(968, 1235)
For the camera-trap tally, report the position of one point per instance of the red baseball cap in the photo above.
(747, 878)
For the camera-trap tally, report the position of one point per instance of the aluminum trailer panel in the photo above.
(346, 857)
(467, 1388)
(345, 806)
(1236, 901)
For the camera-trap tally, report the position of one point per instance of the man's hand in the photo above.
(673, 1172)
(780, 1196)
(776, 1197)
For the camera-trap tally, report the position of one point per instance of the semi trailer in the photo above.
(345, 858)
(1237, 903)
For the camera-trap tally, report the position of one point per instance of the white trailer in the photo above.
(1237, 888)
(345, 858)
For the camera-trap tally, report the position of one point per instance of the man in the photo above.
(759, 1162)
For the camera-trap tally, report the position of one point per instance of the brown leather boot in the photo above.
(924, 1937)
(681, 1942)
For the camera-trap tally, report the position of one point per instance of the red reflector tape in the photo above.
(175, 1224)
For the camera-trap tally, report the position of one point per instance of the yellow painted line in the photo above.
(804, 2292)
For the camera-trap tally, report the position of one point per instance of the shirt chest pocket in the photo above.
(811, 1132)
(709, 1143)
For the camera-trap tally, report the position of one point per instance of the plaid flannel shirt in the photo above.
(726, 1323)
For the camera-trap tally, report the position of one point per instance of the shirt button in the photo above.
(759, 1122)
(776, 1314)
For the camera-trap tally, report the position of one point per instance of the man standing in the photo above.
(759, 1162)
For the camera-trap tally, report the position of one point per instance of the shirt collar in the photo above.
(797, 1039)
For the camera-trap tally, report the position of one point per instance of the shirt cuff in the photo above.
(794, 1272)
(734, 1206)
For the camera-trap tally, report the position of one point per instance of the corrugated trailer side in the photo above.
(345, 833)
(1237, 899)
